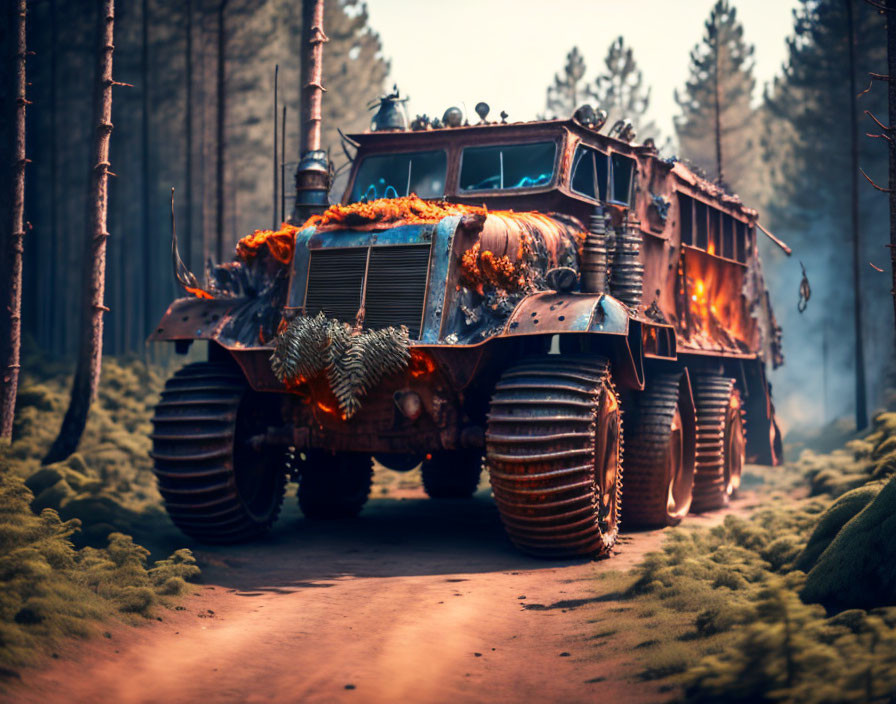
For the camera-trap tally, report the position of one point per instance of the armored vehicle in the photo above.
(485, 295)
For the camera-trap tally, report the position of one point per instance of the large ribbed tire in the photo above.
(659, 454)
(721, 442)
(334, 486)
(216, 487)
(452, 474)
(553, 450)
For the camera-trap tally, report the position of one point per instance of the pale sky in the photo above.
(506, 52)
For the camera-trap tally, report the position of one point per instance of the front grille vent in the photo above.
(396, 285)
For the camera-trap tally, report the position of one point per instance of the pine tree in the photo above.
(568, 91)
(716, 126)
(621, 92)
(809, 144)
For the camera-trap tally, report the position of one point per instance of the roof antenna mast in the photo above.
(313, 171)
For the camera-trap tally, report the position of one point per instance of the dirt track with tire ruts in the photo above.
(416, 601)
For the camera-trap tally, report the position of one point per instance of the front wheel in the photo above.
(334, 485)
(217, 488)
(554, 450)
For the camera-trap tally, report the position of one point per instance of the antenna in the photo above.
(276, 175)
(283, 167)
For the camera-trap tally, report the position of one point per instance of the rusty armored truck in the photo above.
(485, 295)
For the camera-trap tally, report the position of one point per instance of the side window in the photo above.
(741, 242)
(623, 170)
(700, 215)
(686, 213)
(589, 167)
(715, 232)
(728, 224)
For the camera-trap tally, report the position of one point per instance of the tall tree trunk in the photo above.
(891, 103)
(861, 399)
(188, 160)
(221, 148)
(51, 310)
(90, 350)
(12, 200)
(717, 112)
(149, 287)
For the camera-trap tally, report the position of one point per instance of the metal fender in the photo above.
(551, 313)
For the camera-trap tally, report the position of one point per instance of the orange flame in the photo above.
(198, 292)
(717, 310)
(409, 210)
(280, 243)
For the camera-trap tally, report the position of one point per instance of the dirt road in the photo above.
(416, 601)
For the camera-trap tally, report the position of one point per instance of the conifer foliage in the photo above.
(569, 89)
(620, 90)
(715, 128)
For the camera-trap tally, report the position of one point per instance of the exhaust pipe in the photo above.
(313, 171)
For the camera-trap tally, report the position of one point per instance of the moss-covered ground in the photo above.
(795, 603)
(67, 558)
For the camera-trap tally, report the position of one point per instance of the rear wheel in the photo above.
(217, 488)
(452, 474)
(659, 456)
(721, 442)
(334, 485)
(553, 449)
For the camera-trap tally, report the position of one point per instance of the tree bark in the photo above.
(90, 348)
(891, 103)
(861, 398)
(221, 148)
(149, 287)
(718, 111)
(13, 210)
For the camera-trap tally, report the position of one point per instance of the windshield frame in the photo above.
(558, 155)
(417, 149)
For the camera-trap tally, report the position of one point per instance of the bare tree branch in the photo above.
(880, 188)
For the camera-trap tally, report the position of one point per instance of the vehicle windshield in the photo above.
(394, 175)
(507, 166)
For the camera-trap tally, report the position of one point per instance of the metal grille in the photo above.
(334, 282)
(396, 285)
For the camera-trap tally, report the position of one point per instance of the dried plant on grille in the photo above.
(300, 352)
(354, 361)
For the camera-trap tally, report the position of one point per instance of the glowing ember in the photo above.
(421, 364)
(198, 292)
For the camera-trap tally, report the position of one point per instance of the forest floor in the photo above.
(417, 600)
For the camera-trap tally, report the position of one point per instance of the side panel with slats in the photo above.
(396, 287)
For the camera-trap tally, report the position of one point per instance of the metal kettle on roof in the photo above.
(391, 114)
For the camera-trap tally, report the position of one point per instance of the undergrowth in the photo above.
(67, 558)
(49, 589)
(796, 603)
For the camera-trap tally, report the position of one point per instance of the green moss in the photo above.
(65, 564)
(832, 521)
(858, 568)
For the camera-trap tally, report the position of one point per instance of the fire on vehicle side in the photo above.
(497, 295)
